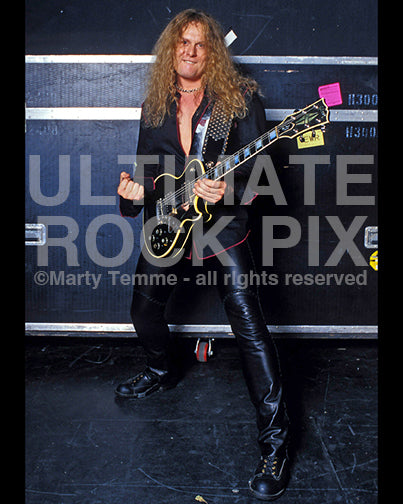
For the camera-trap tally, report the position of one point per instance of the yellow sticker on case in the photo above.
(310, 139)
(373, 260)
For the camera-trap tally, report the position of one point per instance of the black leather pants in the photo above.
(258, 353)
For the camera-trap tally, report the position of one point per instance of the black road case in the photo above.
(84, 88)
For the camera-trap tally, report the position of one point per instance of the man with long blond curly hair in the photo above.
(193, 76)
(220, 78)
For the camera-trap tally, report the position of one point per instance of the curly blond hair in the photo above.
(221, 80)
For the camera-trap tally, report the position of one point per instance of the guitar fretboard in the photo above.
(239, 157)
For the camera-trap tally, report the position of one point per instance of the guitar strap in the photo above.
(215, 141)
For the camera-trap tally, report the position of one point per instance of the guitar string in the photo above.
(187, 186)
(210, 171)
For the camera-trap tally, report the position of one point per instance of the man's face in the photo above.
(191, 55)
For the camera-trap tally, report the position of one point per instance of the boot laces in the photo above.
(137, 378)
(271, 466)
(148, 373)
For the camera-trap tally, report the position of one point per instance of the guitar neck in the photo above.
(234, 160)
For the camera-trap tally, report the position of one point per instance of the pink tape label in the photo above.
(331, 93)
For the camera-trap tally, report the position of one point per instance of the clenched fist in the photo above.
(129, 189)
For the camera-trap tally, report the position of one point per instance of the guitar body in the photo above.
(168, 221)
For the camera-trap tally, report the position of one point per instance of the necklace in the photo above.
(187, 90)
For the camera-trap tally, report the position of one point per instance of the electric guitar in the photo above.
(170, 220)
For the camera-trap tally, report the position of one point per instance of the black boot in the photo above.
(271, 476)
(143, 384)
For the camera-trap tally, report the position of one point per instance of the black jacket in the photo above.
(165, 140)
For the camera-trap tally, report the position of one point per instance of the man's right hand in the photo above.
(129, 189)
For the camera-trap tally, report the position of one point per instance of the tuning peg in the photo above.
(323, 128)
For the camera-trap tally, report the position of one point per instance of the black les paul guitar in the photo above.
(170, 220)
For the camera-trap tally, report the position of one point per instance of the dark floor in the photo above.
(199, 439)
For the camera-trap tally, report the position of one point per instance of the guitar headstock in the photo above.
(313, 116)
